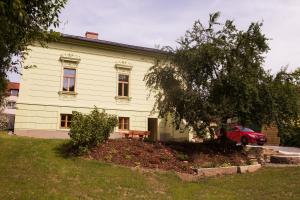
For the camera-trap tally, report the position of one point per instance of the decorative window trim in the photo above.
(123, 98)
(124, 67)
(67, 93)
(69, 58)
(125, 70)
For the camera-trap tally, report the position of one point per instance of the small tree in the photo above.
(88, 131)
(24, 22)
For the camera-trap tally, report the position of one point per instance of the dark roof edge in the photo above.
(115, 44)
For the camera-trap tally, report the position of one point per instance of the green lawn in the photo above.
(35, 169)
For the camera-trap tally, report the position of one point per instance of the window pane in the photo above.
(126, 123)
(14, 92)
(125, 90)
(72, 84)
(69, 72)
(63, 117)
(62, 124)
(65, 86)
(120, 122)
(120, 89)
(68, 124)
(123, 77)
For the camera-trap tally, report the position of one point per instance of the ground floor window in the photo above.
(123, 123)
(65, 120)
(11, 105)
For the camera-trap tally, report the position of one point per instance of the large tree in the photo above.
(216, 73)
(23, 22)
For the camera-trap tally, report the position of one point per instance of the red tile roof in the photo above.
(13, 86)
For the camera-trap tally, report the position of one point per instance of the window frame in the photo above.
(66, 121)
(123, 83)
(122, 123)
(11, 105)
(123, 68)
(68, 78)
(15, 95)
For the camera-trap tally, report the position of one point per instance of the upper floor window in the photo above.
(14, 92)
(65, 120)
(69, 80)
(123, 85)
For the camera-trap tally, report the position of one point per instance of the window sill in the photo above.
(64, 129)
(67, 93)
(123, 98)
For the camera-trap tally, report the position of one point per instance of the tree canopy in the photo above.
(216, 73)
(22, 23)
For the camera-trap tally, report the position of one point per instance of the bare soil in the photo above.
(180, 157)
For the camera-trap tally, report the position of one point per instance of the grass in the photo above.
(36, 169)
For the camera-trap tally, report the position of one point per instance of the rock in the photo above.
(217, 171)
(248, 168)
(253, 168)
(285, 159)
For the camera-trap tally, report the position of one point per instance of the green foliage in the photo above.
(3, 122)
(290, 136)
(3, 91)
(88, 131)
(217, 73)
(181, 156)
(22, 23)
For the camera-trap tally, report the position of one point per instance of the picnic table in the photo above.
(134, 133)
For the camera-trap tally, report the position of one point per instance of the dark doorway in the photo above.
(152, 127)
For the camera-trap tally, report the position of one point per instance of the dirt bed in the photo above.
(180, 157)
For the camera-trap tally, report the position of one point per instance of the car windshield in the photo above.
(246, 130)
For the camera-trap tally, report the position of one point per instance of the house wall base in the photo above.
(55, 134)
(46, 134)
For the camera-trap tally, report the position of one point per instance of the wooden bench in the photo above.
(133, 133)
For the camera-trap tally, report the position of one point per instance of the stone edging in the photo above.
(210, 172)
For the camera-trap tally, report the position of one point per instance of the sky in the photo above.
(161, 22)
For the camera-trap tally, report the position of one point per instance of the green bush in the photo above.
(290, 136)
(88, 131)
(3, 122)
(181, 156)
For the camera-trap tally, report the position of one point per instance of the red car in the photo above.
(245, 136)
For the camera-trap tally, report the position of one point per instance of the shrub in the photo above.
(88, 131)
(3, 122)
(290, 136)
(181, 156)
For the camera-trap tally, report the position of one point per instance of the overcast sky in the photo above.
(162, 22)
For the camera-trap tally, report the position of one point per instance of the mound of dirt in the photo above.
(172, 156)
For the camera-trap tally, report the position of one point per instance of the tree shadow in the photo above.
(65, 150)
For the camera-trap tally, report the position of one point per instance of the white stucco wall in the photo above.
(40, 104)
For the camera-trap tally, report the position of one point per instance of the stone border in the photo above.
(218, 171)
(207, 172)
(285, 159)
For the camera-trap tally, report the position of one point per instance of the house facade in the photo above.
(78, 73)
(10, 104)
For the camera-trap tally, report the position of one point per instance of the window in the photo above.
(65, 120)
(123, 85)
(69, 80)
(123, 123)
(246, 130)
(11, 105)
(14, 92)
